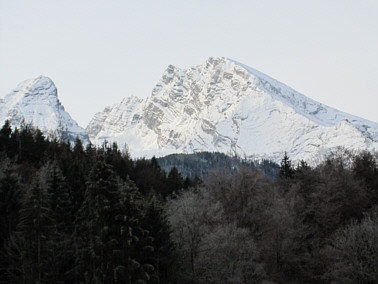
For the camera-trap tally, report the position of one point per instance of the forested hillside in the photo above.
(203, 163)
(71, 214)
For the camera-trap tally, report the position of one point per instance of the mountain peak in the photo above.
(35, 102)
(216, 60)
(225, 106)
(32, 89)
(36, 84)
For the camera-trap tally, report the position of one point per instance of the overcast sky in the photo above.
(98, 52)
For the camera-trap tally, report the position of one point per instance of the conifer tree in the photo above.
(10, 203)
(63, 217)
(162, 257)
(121, 162)
(5, 133)
(59, 196)
(31, 245)
(175, 180)
(10, 195)
(13, 144)
(96, 217)
(135, 239)
(77, 172)
(286, 168)
(110, 230)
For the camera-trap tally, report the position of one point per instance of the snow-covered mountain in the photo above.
(225, 106)
(35, 102)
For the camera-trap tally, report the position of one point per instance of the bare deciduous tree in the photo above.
(356, 252)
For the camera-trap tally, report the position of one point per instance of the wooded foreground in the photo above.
(71, 214)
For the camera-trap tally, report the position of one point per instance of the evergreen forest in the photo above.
(86, 214)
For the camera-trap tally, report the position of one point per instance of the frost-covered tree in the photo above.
(189, 215)
(228, 254)
(355, 250)
(212, 249)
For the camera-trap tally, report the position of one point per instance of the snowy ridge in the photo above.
(225, 106)
(313, 110)
(35, 102)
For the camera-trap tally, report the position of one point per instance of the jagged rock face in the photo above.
(227, 107)
(35, 102)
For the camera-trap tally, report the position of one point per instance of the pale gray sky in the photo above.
(98, 52)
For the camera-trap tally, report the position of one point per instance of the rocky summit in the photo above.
(225, 106)
(35, 103)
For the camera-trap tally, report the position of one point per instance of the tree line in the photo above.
(75, 214)
(200, 164)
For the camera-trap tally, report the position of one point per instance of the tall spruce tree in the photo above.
(136, 242)
(63, 216)
(110, 230)
(5, 133)
(31, 246)
(163, 256)
(10, 203)
(286, 168)
(96, 216)
(175, 180)
(10, 195)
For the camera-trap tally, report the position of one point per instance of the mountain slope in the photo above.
(35, 102)
(227, 107)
